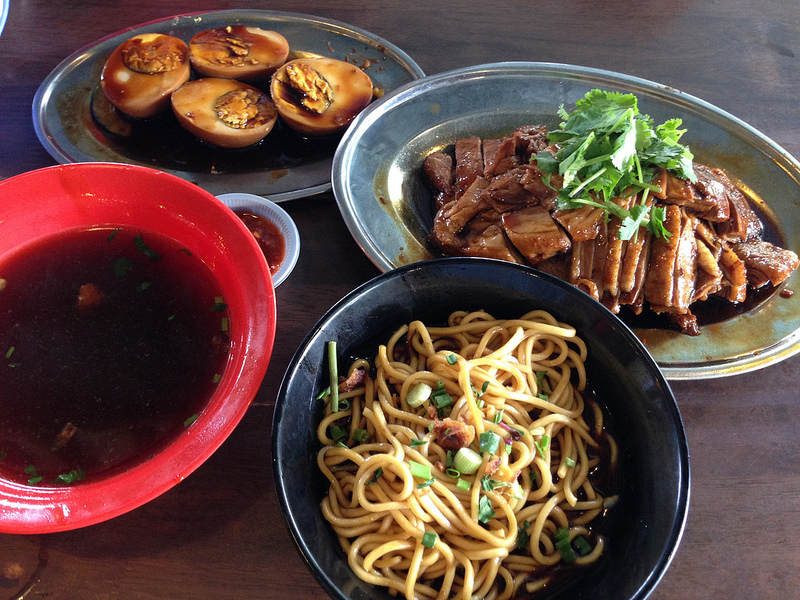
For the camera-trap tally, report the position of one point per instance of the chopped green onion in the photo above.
(569, 461)
(565, 549)
(497, 417)
(418, 394)
(452, 359)
(338, 433)
(419, 470)
(541, 446)
(216, 378)
(429, 539)
(376, 475)
(143, 286)
(361, 436)
(323, 395)
(224, 324)
(562, 533)
(9, 352)
(450, 459)
(581, 545)
(489, 441)
(186, 251)
(190, 420)
(467, 460)
(112, 235)
(417, 442)
(454, 473)
(425, 484)
(441, 400)
(333, 373)
(463, 485)
(523, 537)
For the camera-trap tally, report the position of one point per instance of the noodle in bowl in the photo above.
(507, 389)
(373, 479)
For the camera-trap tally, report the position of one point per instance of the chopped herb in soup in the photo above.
(114, 340)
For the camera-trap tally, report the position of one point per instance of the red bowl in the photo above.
(43, 202)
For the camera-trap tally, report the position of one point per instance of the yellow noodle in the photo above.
(520, 382)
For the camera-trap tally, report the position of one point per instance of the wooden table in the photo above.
(220, 534)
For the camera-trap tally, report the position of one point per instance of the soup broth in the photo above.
(113, 340)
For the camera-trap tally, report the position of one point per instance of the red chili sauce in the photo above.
(268, 236)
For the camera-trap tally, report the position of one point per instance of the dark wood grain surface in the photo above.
(220, 534)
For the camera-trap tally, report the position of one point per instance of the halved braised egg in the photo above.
(319, 96)
(143, 71)
(224, 112)
(238, 52)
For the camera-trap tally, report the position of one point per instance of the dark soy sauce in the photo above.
(161, 141)
(111, 346)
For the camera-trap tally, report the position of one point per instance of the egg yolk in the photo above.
(224, 112)
(143, 71)
(238, 52)
(319, 96)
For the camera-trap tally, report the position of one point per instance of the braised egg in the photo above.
(224, 112)
(238, 52)
(143, 71)
(319, 96)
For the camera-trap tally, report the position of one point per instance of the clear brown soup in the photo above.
(113, 341)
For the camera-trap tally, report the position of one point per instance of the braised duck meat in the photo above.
(492, 200)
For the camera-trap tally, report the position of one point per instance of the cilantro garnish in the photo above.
(489, 442)
(144, 249)
(485, 511)
(71, 477)
(375, 476)
(608, 149)
(488, 484)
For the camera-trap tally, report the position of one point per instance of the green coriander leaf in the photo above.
(122, 266)
(144, 249)
(376, 475)
(71, 477)
(523, 537)
(489, 442)
(485, 510)
(219, 306)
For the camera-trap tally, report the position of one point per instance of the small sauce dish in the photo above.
(272, 227)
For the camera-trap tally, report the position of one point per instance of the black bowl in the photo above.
(647, 525)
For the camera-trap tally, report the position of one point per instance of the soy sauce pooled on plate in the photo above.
(114, 340)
